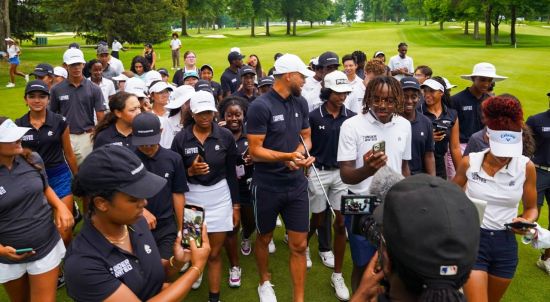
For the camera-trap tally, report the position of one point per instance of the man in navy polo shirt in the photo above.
(230, 77)
(276, 120)
(248, 90)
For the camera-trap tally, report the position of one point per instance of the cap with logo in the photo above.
(145, 129)
(265, 81)
(37, 85)
(191, 73)
(42, 70)
(410, 83)
(136, 86)
(163, 71)
(117, 168)
(328, 58)
(102, 48)
(73, 56)
(203, 85)
(433, 84)
(288, 63)
(152, 76)
(246, 69)
(486, 70)
(180, 96)
(202, 101)
(60, 72)
(504, 143)
(337, 81)
(10, 132)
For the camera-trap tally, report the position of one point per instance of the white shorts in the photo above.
(82, 146)
(333, 185)
(9, 272)
(216, 202)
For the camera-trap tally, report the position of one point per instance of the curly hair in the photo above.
(143, 61)
(503, 112)
(395, 91)
(375, 66)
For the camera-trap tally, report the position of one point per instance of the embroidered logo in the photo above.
(166, 175)
(421, 133)
(193, 150)
(64, 97)
(28, 137)
(278, 118)
(448, 270)
(476, 177)
(322, 127)
(545, 129)
(50, 133)
(137, 170)
(217, 147)
(467, 108)
(297, 115)
(512, 183)
(147, 248)
(121, 268)
(370, 138)
(2, 190)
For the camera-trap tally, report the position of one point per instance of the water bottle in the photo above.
(527, 238)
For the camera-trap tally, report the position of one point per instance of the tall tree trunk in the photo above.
(310, 24)
(294, 27)
(466, 28)
(252, 25)
(476, 29)
(513, 26)
(440, 25)
(267, 26)
(5, 30)
(496, 25)
(425, 20)
(488, 40)
(288, 24)
(184, 25)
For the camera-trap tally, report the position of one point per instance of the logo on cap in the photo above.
(146, 131)
(2, 190)
(448, 270)
(137, 170)
(341, 81)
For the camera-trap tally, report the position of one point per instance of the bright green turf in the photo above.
(448, 52)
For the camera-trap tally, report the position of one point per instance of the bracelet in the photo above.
(196, 268)
(236, 207)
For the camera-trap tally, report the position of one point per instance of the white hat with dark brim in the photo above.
(10, 132)
(486, 70)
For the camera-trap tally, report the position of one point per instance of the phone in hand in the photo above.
(24, 250)
(202, 154)
(379, 147)
(193, 219)
(520, 225)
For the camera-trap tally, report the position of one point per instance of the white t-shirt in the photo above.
(107, 88)
(502, 192)
(170, 127)
(310, 92)
(116, 65)
(397, 62)
(175, 44)
(354, 101)
(116, 46)
(12, 51)
(359, 133)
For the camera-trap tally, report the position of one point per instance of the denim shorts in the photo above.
(498, 253)
(14, 60)
(59, 178)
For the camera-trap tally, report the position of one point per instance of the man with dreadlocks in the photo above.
(379, 122)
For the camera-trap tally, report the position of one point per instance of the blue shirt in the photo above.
(468, 108)
(281, 121)
(422, 142)
(95, 268)
(540, 124)
(325, 131)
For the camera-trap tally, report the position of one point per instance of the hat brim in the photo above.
(248, 72)
(306, 72)
(506, 150)
(341, 88)
(40, 73)
(495, 77)
(145, 140)
(205, 108)
(10, 135)
(433, 85)
(160, 86)
(411, 87)
(146, 187)
(138, 93)
(71, 62)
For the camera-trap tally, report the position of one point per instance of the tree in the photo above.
(4, 21)
(26, 17)
(240, 10)
(488, 12)
(316, 10)
(439, 11)
(181, 6)
(416, 9)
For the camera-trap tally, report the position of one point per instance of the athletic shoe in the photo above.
(10, 85)
(185, 266)
(271, 247)
(544, 265)
(27, 78)
(308, 259)
(285, 240)
(266, 292)
(246, 248)
(235, 276)
(340, 288)
(197, 283)
(327, 258)
(61, 280)
(279, 223)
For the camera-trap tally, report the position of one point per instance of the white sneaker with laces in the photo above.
(246, 247)
(235, 276)
(197, 283)
(266, 292)
(271, 247)
(308, 259)
(279, 223)
(340, 288)
(327, 258)
(544, 265)
(10, 85)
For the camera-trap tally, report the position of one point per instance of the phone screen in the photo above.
(379, 147)
(193, 218)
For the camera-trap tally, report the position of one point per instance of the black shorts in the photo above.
(293, 205)
(165, 235)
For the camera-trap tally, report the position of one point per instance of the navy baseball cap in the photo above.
(203, 85)
(234, 55)
(328, 58)
(117, 168)
(246, 69)
(146, 129)
(410, 83)
(42, 70)
(264, 81)
(206, 66)
(163, 71)
(37, 85)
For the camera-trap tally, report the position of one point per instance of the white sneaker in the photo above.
(544, 265)
(340, 288)
(10, 85)
(271, 247)
(27, 79)
(197, 283)
(185, 267)
(327, 258)
(285, 240)
(246, 247)
(235, 276)
(308, 259)
(279, 223)
(266, 292)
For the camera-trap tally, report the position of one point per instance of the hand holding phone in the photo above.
(379, 147)
(193, 220)
(520, 225)
(24, 250)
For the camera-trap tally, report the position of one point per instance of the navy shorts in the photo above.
(293, 205)
(543, 186)
(59, 179)
(498, 253)
(361, 249)
(165, 235)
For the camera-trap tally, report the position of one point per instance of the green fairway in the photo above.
(449, 53)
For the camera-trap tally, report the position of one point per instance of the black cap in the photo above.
(328, 58)
(42, 70)
(410, 83)
(232, 56)
(74, 45)
(207, 67)
(264, 81)
(113, 167)
(149, 45)
(246, 69)
(203, 85)
(37, 85)
(163, 71)
(431, 228)
(145, 129)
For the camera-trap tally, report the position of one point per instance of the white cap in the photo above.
(120, 78)
(433, 84)
(159, 86)
(10, 132)
(203, 101)
(376, 54)
(505, 143)
(136, 86)
(8, 39)
(314, 61)
(151, 76)
(448, 84)
(235, 49)
(486, 70)
(291, 63)
(180, 96)
(73, 56)
(60, 72)
(337, 81)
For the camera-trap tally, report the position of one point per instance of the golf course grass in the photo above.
(449, 53)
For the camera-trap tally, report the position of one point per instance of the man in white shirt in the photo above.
(401, 65)
(116, 47)
(175, 45)
(112, 66)
(354, 100)
(327, 63)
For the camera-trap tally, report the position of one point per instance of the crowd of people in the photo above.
(259, 147)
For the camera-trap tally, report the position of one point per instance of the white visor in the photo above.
(505, 143)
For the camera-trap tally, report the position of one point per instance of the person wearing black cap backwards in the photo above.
(44, 72)
(207, 73)
(115, 258)
(230, 78)
(30, 246)
(278, 131)
(418, 263)
(248, 89)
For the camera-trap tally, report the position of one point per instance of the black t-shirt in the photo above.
(540, 124)
(177, 79)
(244, 186)
(240, 93)
(230, 81)
(220, 153)
(468, 108)
(448, 118)
(477, 142)
(281, 121)
(111, 136)
(46, 141)
(422, 142)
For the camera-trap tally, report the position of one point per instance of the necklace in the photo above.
(121, 240)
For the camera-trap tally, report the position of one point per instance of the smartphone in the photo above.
(202, 154)
(193, 219)
(520, 225)
(23, 251)
(379, 147)
(358, 204)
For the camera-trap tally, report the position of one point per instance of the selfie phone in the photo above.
(202, 154)
(520, 225)
(359, 204)
(379, 147)
(23, 251)
(193, 219)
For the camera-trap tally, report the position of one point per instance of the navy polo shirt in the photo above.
(540, 124)
(240, 93)
(177, 79)
(422, 142)
(95, 268)
(468, 108)
(448, 117)
(46, 141)
(25, 215)
(220, 152)
(111, 136)
(168, 164)
(230, 80)
(216, 90)
(325, 131)
(281, 121)
(77, 104)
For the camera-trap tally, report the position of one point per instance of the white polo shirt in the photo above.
(397, 62)
(116, 65)
(354, 101)
(170, 127)
(502, 192)
(359, 133)
(116, 46)
(310, 92)
(107, 89)
(175, 44)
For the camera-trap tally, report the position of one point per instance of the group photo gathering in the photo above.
(275, 150)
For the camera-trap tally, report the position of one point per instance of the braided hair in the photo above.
(378, 82)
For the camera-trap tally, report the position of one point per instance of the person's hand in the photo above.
(222, 123)
(151, 219)
(64, 219)
(198, 167)
(520, 231)
(369, 288)
(199, 255)
(236, 217)
(247, 160)
(439, 135)
(181, 255)
(300, 161)
(374, 161)
(8, 252)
